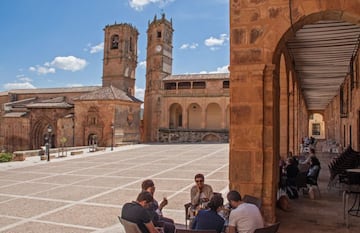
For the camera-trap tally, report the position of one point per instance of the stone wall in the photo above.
(192, 135)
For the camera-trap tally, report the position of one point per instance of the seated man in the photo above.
(209, 219)
(244, 217)
(155, 210)
(135, 212)
(200, 193)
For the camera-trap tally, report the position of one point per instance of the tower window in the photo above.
(115, 42)
(159, 34)
(131, 47)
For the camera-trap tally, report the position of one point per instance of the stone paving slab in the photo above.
(85, 193)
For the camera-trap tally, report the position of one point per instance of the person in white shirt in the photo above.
(244, 217)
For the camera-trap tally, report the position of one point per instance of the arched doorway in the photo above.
(175, 119)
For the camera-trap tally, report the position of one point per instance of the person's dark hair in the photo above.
(215, 202)
(199, 176)
(234, 195)
(314, 161)
(147, 184)
(145, 196)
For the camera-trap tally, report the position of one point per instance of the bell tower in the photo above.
(120, 57)
(158, 66)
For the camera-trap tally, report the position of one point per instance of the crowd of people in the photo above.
(207, 208)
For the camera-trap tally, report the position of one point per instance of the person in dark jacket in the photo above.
(209, 219)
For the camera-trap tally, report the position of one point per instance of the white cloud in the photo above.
(142, 64)
(24, 85)
(25, 79)
(69, 63)
(97, 48)
(138, 5)
(222, 69)
(139, 93)
(189, 46)
(214, 42)
(75, 85)
(42, 69)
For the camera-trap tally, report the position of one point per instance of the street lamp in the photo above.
(112, 136)
(48, 144)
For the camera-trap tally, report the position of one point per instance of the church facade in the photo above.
(105, 115)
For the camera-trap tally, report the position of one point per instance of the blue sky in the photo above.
(59, 43)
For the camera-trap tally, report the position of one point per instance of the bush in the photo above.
(5, 157)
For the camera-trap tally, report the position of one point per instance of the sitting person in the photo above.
(313, 172)
(200, 193)
(291, 171)
(155, 210)
(244, 217)
(135, 212)
(209, 219)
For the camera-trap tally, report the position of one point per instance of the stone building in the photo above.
(289, 60)
(106, 115)
(181, 108)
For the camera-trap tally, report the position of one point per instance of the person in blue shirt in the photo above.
(209, 219)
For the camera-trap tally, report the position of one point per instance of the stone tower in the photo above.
(158, 66)
(120, 57)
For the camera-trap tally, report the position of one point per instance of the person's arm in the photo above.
(195, 196)
(150, 226)
(230, 229)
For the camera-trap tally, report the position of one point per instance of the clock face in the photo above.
(158, 48)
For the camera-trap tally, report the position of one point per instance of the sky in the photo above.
(52, 43)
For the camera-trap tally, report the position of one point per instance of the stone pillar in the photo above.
(252, 156)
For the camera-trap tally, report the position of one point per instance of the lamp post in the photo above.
(49, 131)
(112, 136)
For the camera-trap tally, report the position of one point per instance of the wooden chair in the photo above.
(194, 231)
(129, 227)
(268, 229)
(253, 200)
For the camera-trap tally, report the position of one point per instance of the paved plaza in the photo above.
(85, 193)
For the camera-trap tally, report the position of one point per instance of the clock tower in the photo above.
(120, 57)
(158, 66)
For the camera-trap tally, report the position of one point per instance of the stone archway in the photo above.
(259, 32)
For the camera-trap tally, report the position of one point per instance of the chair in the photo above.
(188, 218)
(253, 200)
(194, 231)
(268, 229)
(129, 227)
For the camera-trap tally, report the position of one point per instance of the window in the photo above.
(114, 42)
(184, 85)
(158, 34)
(316, 129)
(170, 86)
(199, 85)
(226, 84)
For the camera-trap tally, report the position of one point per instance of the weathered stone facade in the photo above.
(181, 108)
(268, 111)
(105, 116)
